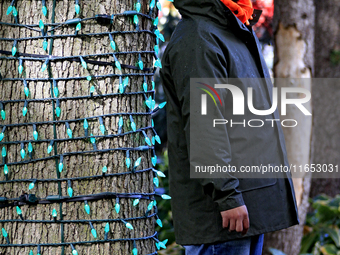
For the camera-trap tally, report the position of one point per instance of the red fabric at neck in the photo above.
(243, 9)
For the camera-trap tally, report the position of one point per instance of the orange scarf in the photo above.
(243, 9)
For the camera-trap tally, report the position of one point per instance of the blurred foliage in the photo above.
(164, 210)
(321, 232)
(335, 57)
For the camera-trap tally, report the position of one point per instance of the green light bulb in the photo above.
(70, 191)
(4, 152)
(94, 233)
(19, 212)
(3, 114)
(5, 169)
(54, 213)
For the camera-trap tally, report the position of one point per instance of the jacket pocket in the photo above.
(247, 184)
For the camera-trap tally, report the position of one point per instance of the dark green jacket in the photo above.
(209, 42)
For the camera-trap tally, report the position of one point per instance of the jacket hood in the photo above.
(213, 9)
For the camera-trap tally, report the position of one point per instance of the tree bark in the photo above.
(294, 39)
(29, 12)
(326, 137)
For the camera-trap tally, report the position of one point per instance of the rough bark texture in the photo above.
(294, 41)
(29, 12)
(326, 117)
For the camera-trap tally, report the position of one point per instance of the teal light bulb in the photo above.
(128, 225)
(2, 135)
(31, 186)
(83, 63)
(104, 169)
(9, 9)
(92, 139)
(135, 202)
(159, 5)
(4, 233)
(74, 252)
(30, 147)
(56, 91)
(156, 181)
(137, 162)
(133, 126)
(134, 251)
(41, 24)
(24, 111)
(22, 153)
(87, 208)
(154, 160)
(155, 22)
(5, 169)
(45, 44)
(147, 140)
(107, 228)
(57, 111)
(69, 132)
(20, 69)
(77, 8)
(135, 19)
(161, 105)
(60, 167)
(160, 174)
(92, 89)
(145, 86)
(94, 233)
(19, 212)
(35, 135)
(113, 45)
(44, 10)
(26, 91)
(86, 124)
(49, 149)
(102, 128)
(128, 162)
(70, 191)
(152, 4)
(54, 213)
(4, 152)
(117, 207)
(158, 139)
(150, 205)
(3, 114)
(117, 64)
(14, 50)
(156, 49)
(78, 27)
(159, 222)
(140, 64)
(43, 67)
(138, 7)
(164, 196)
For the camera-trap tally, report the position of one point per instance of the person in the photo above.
(215, 39)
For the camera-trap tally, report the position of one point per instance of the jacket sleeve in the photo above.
(201, 58)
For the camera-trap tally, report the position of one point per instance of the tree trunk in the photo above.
(75, 165)
(326, 137)
(294, 39)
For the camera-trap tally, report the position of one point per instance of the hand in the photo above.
(251, 18)
(237, 219)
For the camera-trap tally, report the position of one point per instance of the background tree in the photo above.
(294, 39)
(77, 165)
(326, 137)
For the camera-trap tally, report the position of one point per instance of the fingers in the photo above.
(239, 225)
(232, 225)
(245, 226)
(225, 222)
(247, 23)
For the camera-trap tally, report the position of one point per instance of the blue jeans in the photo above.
(244, 246)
